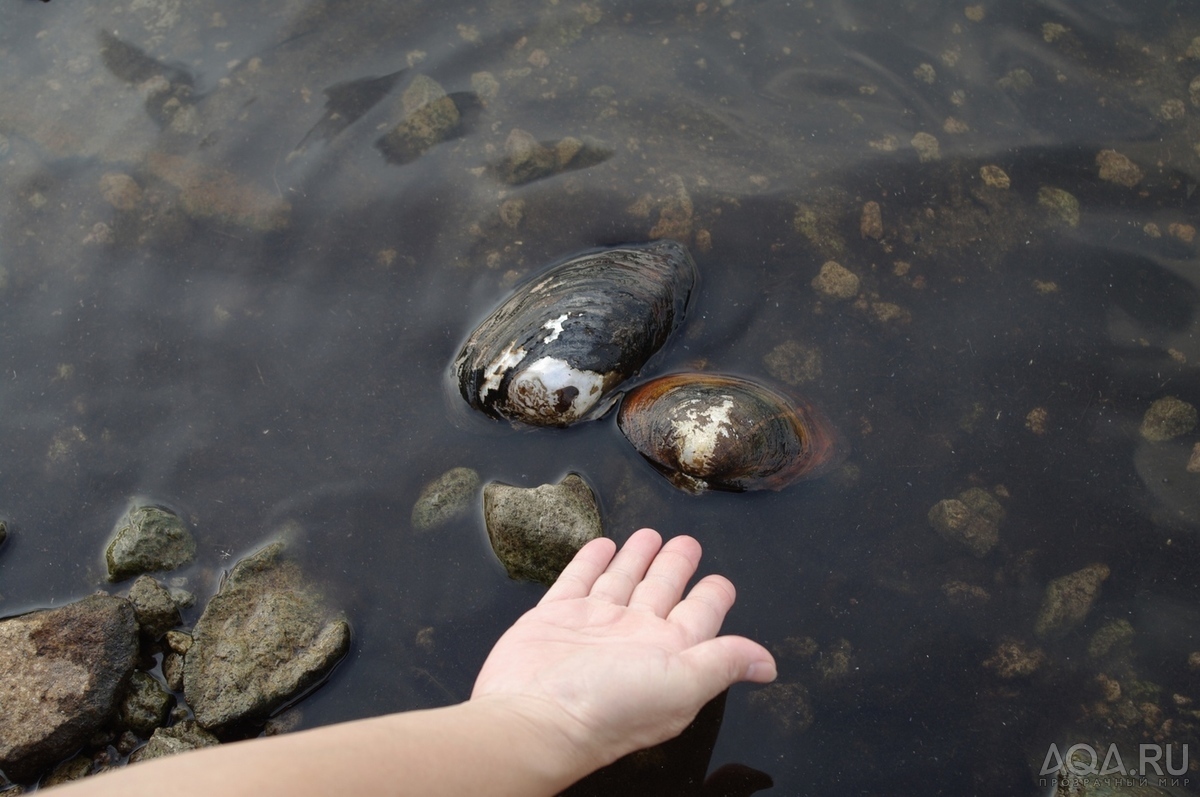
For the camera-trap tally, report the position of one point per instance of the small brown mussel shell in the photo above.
(715, 432)
(554, 352)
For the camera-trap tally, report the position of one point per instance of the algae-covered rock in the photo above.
(430, 117)
(836, 282)
(62, 672)
(447, 497)
(186, 735)
(1167, 418)
(536, 531)
(146, 704)
(262, 640)
(156, 611)
(1068, 600)
(148, 539)
(972, 520)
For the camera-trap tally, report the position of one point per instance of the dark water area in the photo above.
(227, 286)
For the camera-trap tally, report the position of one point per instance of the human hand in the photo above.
(611, 660)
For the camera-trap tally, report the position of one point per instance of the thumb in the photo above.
(718, 663)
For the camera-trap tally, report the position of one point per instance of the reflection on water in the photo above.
(241, 242)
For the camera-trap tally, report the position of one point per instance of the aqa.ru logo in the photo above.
(1082, 760)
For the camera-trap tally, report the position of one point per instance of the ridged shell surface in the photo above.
(554, 352)
(715, 432)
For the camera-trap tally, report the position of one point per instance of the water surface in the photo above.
(221, 288)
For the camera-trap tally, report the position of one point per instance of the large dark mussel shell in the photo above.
(714, 432)
(555, 351)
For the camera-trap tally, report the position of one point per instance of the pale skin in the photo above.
(613, 659)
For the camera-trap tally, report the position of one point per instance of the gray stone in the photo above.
(180, 738)
(262, 640)
(61, 674)
(156, 611)
(447, 497)
(146, 704)
(536, 531)
(146, 539)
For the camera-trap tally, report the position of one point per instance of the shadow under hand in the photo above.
(677, 767)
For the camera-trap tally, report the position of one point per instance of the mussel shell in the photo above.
(554, 352)
(715, 432)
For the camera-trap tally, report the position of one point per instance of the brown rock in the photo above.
(1116, 168)
(61, 674)
(1068, 600)
(871, 224)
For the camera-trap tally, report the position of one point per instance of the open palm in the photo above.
(614, 656)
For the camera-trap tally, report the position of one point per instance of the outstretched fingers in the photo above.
(626, 570)
(701, 613)
(663, 585)
(579, 576)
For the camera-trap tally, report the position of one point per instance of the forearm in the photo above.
(479, 747)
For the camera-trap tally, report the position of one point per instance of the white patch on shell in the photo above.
(494, 373)
(698, 432)
(555, 325)
(535, 391)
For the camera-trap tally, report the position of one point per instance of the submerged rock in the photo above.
(972, 520)
(1167, 418)
(447, 497)
(148, 539)
(263, 640)
(430, 117)
(536, 531)
(62, 672)
(1069, 599)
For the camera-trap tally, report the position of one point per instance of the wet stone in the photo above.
(179, 738)
(449, 496)
(1113, 639)
(148, 539)
(146, 704)
(972, 520)
(536, 531)
(793, 362)
(994, 176)
(871, 223)
(172, 670)
(156, 610)
(120, 190)
(927, 147)
(262, 640)
(526, 159)
(1060, 204)
(1015, 659)
(61, 673)
(431, 117)
(1068, 600)
(1117, 168)
(787, 705)
(70, 770)
(836, 282)
(1167, 418)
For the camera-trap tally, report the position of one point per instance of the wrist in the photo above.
(541, 735)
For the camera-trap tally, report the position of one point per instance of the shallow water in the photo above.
(259, 330)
